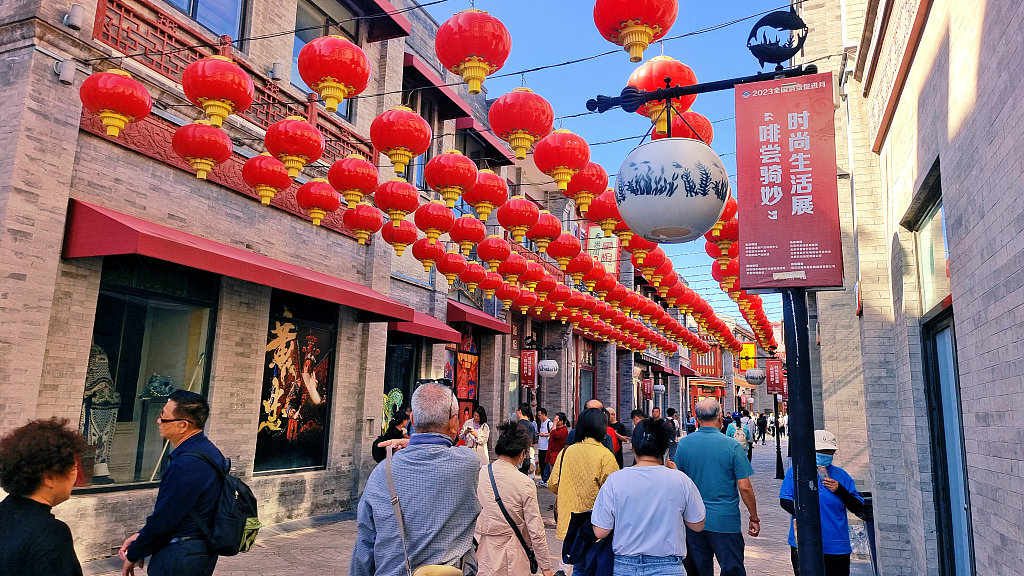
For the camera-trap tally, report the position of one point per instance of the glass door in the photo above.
(953, 508)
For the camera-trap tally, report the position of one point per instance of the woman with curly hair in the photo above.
(38, 467)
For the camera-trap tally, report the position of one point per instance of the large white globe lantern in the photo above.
(671, 190)
(755, 376)
(547, 368)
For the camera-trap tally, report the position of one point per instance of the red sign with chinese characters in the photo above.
(528, 369)
(788, 191)
(648, 388)
(774, 376)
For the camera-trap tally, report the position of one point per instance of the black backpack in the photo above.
(235, 519)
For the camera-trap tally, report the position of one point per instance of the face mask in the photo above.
(823, 459)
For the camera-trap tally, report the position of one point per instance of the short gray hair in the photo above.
(432, 406)
(707, 410)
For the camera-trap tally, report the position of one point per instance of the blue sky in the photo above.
(546, 32)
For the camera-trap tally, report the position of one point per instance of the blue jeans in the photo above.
(703, 547)
(189, 558)
(648, 565)
(546, 473)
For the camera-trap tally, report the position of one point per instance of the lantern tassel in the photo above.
(266, 193)
(332, 92)
(635, 38)
(473, 72)
(216, 110)
(113, 122)
(520, 142)
(317, 215)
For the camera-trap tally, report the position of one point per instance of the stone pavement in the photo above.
(324, 544)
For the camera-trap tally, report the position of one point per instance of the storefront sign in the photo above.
(648, 388)
(604, 250)
(788, 191)
(773, 380)
(528, 369)
(748, 358)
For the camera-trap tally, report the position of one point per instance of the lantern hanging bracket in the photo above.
(632, 98)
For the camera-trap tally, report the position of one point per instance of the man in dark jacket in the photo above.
(189, 484)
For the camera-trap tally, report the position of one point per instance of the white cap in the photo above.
(825, 440)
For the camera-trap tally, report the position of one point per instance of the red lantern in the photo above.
(661, 272)
(587, 184)
(634, 24)
(564, 248)
(689, 124)
(547, 228)
(534, 274)
(473, 276)
(401, 135)
(493, 250)
(518, 215)
(434, 219)
(648, 262)
(604, 285)
(489, 192)
(491, 283)
(508, 293)
(467, 232)
(604, 212)
(427, 252)
(400, 235)
(623, 233)
(512, 268)
(596, 274)
(363, 219)
(353, 177)
(472, 44)
(616, 294)
(560, 295)
(266, 175)
(116, 98)
(335, 68)
(580, 265)
(728, 212)
(651, 76)
(721, 256)
(201, 145)
(450, 266)
(545, 285)
(450, 174)
(520, 118)
(629, 302)
(639, 247)
(560, 155)
(671, 279)
(525, 301)
(318, 198)
(397, 198)
(218, 86)
(294, 142)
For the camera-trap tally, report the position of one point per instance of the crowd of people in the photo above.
(438, 504)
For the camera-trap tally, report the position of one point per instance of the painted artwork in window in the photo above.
(466, 375)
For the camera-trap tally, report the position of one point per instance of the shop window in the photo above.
(932, 258)
(316, 19)
(218, 16)
(420, 102)
(298, 371)
(469, 143)
(151, 336)
(401, 370)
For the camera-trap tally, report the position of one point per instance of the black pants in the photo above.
(704, 547)
(835, 564)
(189, 558)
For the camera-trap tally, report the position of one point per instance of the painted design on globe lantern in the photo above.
(701, 181)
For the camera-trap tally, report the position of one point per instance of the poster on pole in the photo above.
(748, 357)
(773, 373)
(787, 184)
(528, 369)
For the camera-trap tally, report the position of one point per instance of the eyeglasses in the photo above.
(161, 420)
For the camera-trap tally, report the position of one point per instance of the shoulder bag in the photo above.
(429, 569)
(529, 551)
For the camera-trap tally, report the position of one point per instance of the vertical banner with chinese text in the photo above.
(788, 191)
(748, 357)
(773, 372)
(528, 369)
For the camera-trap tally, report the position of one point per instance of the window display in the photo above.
(294, 407)
(151, 336)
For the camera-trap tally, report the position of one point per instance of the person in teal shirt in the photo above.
(718, 465)
(837, 493)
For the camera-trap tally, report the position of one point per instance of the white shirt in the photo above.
(544, 428)
(624, 504)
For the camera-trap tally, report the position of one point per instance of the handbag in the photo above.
(497, 498)
(427, 569)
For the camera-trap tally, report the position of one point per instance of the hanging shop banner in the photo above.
(788, 191)
(528, 369)
(604, 249)
(785, 387)
(773, 370)
(748, 357)
(648, 388)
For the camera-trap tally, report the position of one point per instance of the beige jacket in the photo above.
(500, 552)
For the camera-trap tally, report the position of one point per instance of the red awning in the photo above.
(458, 312)
(687, 371)
(386, 21)
(497, 149)
(666, 370)
(427, 326)
(451, 105)
(96, 231)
